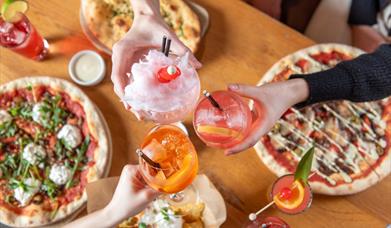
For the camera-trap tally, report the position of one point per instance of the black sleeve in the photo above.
(365, 78)
(363, 12)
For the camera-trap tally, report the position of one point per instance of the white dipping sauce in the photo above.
(87, 67)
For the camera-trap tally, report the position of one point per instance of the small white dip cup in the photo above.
(87, 68)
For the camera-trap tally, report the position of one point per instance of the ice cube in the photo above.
(18, 37)
(155, 151)
(6, 27)
(168, 169)
(160, 176)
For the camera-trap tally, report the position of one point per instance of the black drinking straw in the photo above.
(164, 44)
(140, 153)
(212, 100)
(167, 47)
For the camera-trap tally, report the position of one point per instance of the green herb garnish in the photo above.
(79, 158)
(164, 212)
(8, 129)
(142, 225)
(304, 167)
(50, 188)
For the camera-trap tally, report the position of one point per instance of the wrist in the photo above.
(110, 216)
(297, 91)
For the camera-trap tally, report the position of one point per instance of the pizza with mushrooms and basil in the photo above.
(52, 143)
(352, 140)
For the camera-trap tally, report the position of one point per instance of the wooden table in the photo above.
(240, 46)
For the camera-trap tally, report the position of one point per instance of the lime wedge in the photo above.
(11, 8)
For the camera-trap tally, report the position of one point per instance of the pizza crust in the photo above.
(290, 59)
(379, 173)
(39, 217)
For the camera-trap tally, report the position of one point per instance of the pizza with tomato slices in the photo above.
(352, 140)
(52, 143)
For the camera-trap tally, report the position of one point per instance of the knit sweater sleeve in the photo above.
(365, 78)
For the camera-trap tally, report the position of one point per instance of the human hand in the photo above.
(270, 103)
(132, 195)
(367, 38)
(146, 33)
(130, 198)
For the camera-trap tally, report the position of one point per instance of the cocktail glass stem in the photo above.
(177, 197)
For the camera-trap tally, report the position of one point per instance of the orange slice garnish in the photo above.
(221, 131)
(295, 200)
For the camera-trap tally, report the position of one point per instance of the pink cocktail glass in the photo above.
(223, 126)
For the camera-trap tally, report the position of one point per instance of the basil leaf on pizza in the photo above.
(52, 143)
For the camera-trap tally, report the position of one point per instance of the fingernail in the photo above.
(227, 153)
(233, 86)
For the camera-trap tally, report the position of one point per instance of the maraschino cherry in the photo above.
(285, 193)
(168, 73)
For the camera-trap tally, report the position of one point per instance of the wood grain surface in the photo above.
(241, 44)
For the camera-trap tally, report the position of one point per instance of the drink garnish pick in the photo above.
(212, 100)
(302, 173)
(141, 154)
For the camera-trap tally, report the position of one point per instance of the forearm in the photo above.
(101, 218)
(366, 38)
(294, 91)
(365, 78)
(145, 7)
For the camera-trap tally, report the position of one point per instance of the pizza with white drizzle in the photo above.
(352, 140)
(52, 143)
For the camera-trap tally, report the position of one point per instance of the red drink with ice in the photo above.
(21, 37)
(222, 127)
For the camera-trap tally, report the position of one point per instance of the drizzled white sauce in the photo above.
(353, 159)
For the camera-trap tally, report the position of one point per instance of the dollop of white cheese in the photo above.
(4, 117)
(59, 174)
(38, 114)
(70, 134)
(33, 153)
(24, 195)
(160, 215)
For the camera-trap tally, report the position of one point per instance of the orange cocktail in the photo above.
(175, 158)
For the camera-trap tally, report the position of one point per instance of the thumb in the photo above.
(180, 49)
(244, 90)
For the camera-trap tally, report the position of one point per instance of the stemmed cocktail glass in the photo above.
(168, 160)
